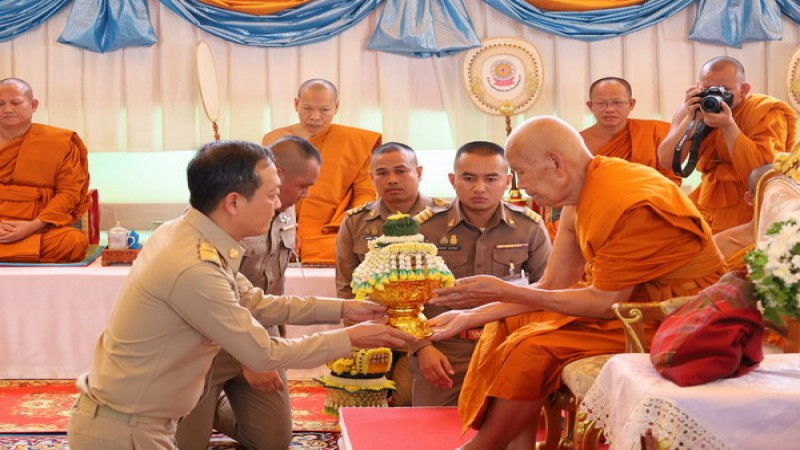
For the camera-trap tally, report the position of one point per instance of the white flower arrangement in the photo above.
(774, 268)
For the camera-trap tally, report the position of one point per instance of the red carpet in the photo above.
(401, 428)
(42, 406)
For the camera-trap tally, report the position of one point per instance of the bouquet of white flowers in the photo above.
(774, 268)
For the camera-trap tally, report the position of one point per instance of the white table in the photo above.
(51, 317)
(760, 410)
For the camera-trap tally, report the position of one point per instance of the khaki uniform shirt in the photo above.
(361, 225)
(181, 302)
(514, 241)
(266, 257)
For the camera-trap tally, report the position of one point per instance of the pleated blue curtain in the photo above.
(790, 8)
(106, 25)
(312, 22)
(591, 25)
(19, 17)
(424, 28)
(734, 22)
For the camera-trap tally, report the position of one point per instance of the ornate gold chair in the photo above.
(778, 193)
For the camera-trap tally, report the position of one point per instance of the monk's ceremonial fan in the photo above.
(793, 80)
(503, 77)
(207, 81)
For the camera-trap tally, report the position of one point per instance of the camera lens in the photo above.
(711, 103)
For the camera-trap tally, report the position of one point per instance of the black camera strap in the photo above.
(700, 132)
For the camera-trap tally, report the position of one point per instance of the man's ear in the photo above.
(34, 104)
(633, 103)
(419, 173)
(297, 104)
(229, 203)
(336, 110)
(452, 178)
(589, 104)
(745, 89)
(509, 177)
(281, 173)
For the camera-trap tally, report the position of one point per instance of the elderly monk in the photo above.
(744, 136)
(344, 180)
(627, 234)
(734, 243)
(44, 183)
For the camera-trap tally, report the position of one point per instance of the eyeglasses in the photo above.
(616, 104)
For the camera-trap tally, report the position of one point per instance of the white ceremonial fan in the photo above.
(503, 77)
(207, 81)
(793, 80)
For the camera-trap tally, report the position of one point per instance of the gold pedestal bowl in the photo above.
(404, 300)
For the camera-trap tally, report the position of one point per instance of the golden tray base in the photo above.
(404, 300)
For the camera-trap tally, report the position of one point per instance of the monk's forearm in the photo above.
(491, 312)
(582, 302)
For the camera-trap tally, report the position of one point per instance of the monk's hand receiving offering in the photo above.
(450, 323)
(470, 292)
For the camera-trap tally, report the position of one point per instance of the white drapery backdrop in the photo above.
(146, 99)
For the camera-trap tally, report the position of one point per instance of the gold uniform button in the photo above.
(233, 253)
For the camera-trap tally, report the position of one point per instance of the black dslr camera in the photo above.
(712, 98)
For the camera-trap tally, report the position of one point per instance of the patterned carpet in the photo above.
(305, 440)
(42, 406)
(34, 415)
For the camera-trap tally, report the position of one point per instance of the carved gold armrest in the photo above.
(634, 316)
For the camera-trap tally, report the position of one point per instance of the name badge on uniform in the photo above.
(520, 245)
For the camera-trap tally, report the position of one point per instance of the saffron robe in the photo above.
(768, 127)
(44, 174)
(734, 243)
(634, 228)
(343, 183)
(638, 143)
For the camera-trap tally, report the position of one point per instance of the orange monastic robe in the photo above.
(634, 228)
(343, 183)
(44, 174)
(768, 127)
(638, 143)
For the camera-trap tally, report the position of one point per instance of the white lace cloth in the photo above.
(760, 410)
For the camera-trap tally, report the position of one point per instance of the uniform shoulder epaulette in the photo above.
(424, 215)
(209, 253)
(440, 202)
(525, 211)
(357, 209)
(533, 215)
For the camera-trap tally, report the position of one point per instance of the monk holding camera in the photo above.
(746, 133)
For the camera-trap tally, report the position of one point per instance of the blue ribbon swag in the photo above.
(106, 25)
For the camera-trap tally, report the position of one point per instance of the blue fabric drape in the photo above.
(305, 24)
(424, 28)
(19, 17)
(734, 22)
(791, 8)
(591, 25)
(106, 25)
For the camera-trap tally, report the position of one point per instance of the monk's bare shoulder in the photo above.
(274, 135)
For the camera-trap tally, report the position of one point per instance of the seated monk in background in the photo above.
(44, 183)
(627, 234)
(736, 242)
(344, 180)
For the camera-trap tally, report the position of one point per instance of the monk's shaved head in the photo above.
(318, 84)
(612, 80)
(721, 63)
(22, 85)
(550, 159)
(292, 154)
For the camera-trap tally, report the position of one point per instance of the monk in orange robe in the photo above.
(746, 135)
(344, 180)
(734, 243)
(44, 183)
(627, 234)
(616, 135)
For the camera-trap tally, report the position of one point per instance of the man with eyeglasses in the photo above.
(614, 134)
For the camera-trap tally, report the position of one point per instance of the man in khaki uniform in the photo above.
(396, 174)
(253, 408)
(184, 300)
(478, 233)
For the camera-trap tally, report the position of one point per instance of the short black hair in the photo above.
(482, 148)
(222, 167)
(619, 80)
